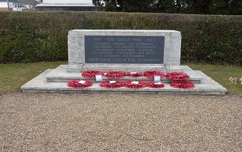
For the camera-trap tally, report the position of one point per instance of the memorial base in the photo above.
(55, 80)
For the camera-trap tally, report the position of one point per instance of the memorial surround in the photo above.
(123, 52)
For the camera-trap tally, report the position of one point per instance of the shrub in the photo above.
(42, 36)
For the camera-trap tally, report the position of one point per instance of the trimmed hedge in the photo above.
(42, 36)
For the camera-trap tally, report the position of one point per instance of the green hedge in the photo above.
(42, 36)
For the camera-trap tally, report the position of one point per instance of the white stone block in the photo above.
(77, 48)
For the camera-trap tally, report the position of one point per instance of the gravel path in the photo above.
(120, 122)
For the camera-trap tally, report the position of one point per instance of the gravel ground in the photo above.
(120, 122)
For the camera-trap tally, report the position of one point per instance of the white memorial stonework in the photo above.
(124, 61)
(119, 49)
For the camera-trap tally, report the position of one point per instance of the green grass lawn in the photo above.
(13, 76)
(221, 74)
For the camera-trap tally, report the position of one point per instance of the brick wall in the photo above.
(4, 9)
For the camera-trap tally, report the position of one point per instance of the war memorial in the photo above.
(127, 61)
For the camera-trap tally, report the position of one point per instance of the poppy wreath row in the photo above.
(79, 84)
(148, 74)
(182, 84)
(119, 84)
(121, 74)
(177, 76)
(130, 84)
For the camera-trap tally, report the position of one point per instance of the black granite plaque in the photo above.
(124, 49)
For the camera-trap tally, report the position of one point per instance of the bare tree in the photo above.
(29, 4)
(8, 4)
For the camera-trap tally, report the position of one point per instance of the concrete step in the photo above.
(60, 75)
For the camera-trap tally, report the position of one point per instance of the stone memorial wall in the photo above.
(121, 48)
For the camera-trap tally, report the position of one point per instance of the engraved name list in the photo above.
(124, 49)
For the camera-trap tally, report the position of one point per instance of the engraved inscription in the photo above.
(124, 49)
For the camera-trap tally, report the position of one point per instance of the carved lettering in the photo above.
(124, 49)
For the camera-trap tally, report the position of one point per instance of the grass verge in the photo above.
(221, 74)
(13, 76)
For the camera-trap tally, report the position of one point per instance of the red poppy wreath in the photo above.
(115, 74)
(111, 84)
(151, 74)
(91, 73)
(135, 84)
(79, 84)
(134, 74)
(155, 85)
(177, 76)
(182, 84)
